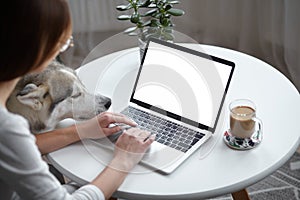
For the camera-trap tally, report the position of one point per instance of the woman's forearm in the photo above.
(110, 179)
(56, 139)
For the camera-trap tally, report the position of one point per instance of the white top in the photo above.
(24, 175)
(214, 169)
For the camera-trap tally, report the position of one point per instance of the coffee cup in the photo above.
(243, 121)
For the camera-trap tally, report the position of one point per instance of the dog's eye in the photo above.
(45, 95)
(76, 95)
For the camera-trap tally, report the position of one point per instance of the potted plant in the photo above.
(151, 18)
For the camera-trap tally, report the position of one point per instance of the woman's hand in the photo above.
(95, 128)
(130, 148)
(99, 126)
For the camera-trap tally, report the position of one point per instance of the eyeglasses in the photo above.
(69, 43)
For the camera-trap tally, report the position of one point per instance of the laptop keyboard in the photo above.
(167, 132)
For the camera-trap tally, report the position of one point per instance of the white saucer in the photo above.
(242, 143)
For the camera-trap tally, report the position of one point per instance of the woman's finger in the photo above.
(119, 119)
(124, 120)
(149, 139)
(141, 135)
(133, 131)
(112, 130)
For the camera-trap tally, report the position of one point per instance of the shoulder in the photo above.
(14, 128)
(18, 148)
(12, 122)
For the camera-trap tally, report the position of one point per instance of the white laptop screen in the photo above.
(182, 83)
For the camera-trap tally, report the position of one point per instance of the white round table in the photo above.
(214, 169)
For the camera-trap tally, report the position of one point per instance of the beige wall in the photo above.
(267, 29)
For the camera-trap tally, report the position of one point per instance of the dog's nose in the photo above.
(107, 104)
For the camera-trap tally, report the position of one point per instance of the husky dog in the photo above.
(55, 94)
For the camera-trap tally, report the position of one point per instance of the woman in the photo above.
(33, 32)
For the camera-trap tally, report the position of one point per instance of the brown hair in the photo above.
(31, 32)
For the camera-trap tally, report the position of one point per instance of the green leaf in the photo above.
(139, 25)
(175, 12)
(150, 12)
(135, 18)
(131, 29)
(167, 16)
(164, 21)
(124, 17)
(145, 4)
(147, 23)
(154, 23)
(168, 7)
(132, 34)
(153, 5)
(123, 7)
(173, 2)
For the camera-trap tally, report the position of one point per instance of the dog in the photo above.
(56, 93)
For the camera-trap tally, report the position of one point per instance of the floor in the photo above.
(284, 184)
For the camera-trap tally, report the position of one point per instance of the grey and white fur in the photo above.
(55, 94)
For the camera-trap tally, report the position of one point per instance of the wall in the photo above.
(268, 30)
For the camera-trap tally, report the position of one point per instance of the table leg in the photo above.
(240, 195)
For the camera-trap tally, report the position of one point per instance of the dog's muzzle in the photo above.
(107, 104)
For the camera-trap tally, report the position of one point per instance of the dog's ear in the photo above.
(32, 95)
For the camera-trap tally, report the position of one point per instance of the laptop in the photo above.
(178, 95)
